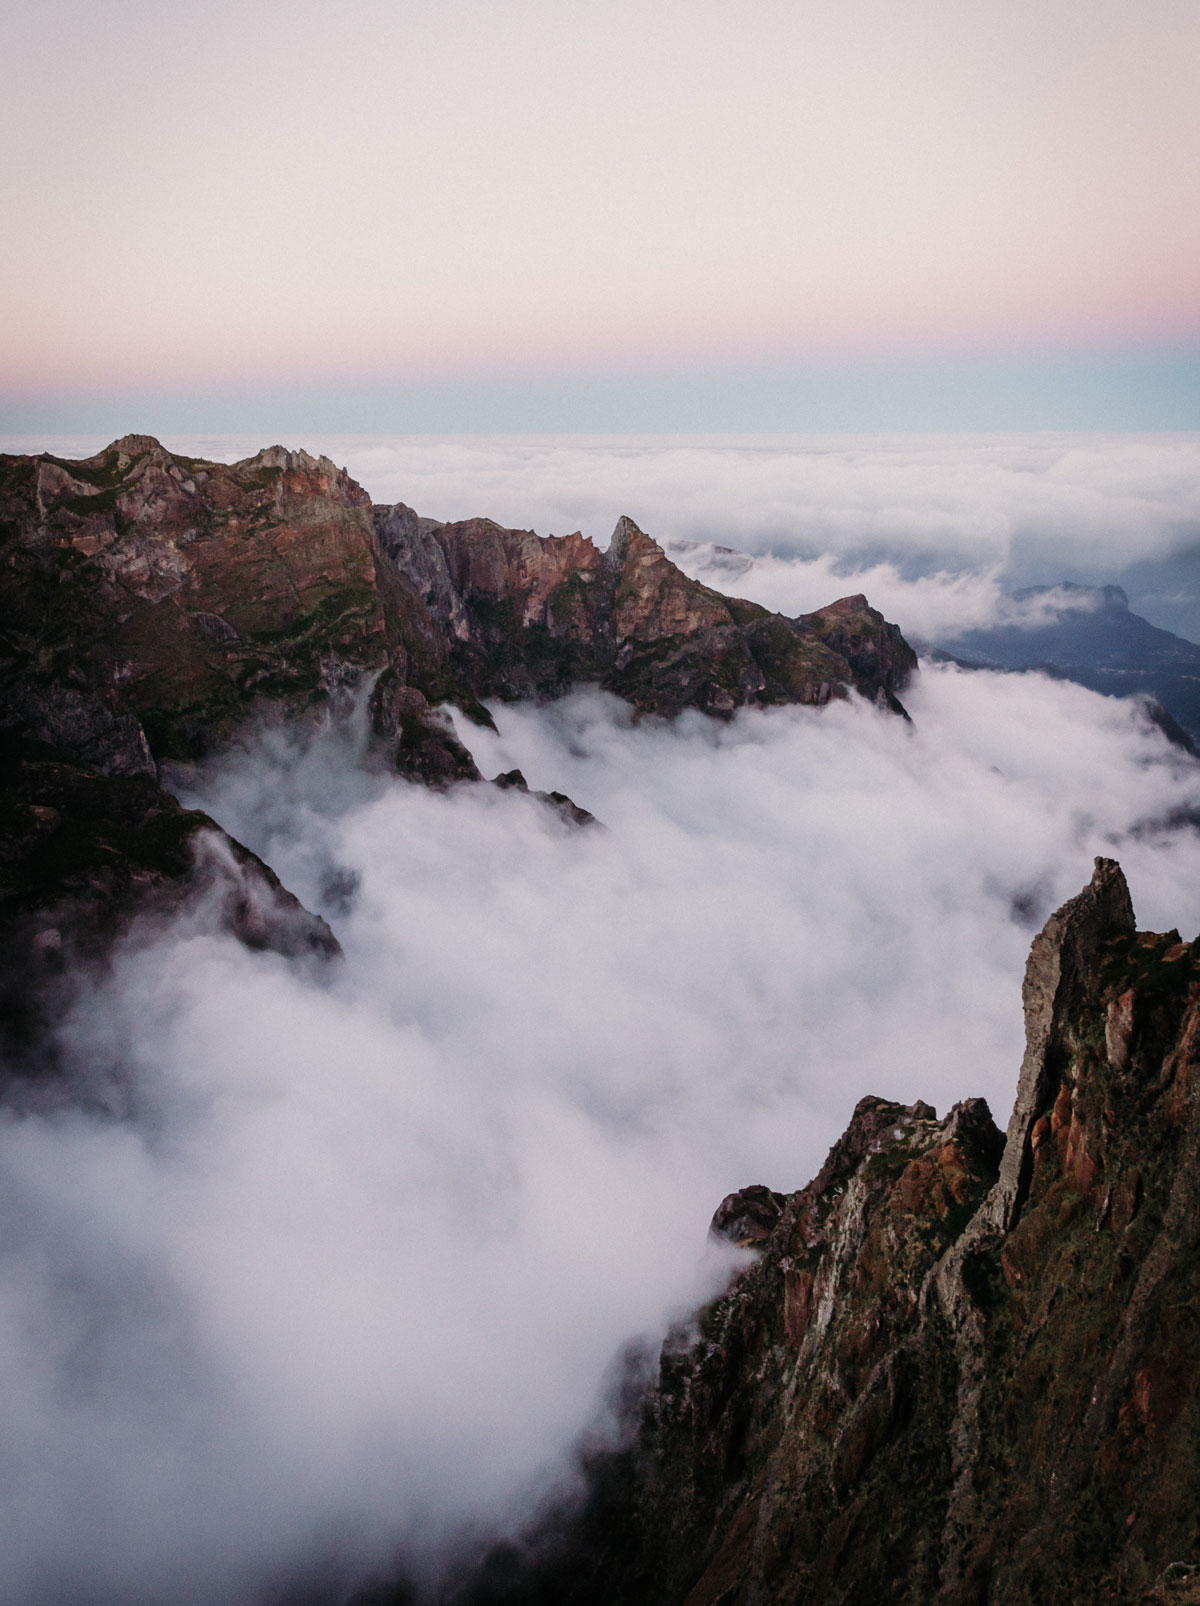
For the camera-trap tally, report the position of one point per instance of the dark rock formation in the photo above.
(748, 1216)
(514, 781)
(149, 601)
(476, 611)
(83, 854)
(959, 1370)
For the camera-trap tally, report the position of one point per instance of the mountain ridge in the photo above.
(152, 603)
(960, 1369)
(1095, 639)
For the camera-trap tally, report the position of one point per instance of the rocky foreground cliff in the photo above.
(962, 1368)
(152, 603)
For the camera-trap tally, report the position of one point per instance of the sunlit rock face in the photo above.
(477, 611)
(151, 598)
(153, 602)
(958, 1369)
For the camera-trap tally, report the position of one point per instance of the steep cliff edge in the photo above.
(150, 602)
(481, 612)
(960, 1369)
(83, 855)
(148, 599)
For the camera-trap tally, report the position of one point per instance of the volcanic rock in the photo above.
(149, 598)
(476, 611)
(152, 601)
(514, 781)
(960, 1369)
(83, 854)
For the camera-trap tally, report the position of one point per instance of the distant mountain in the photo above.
(1088, 634)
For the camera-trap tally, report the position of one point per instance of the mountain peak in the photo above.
(133, 445)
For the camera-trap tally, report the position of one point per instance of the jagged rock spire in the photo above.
(1063, 954)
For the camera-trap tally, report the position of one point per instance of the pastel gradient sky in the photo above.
(520, 213)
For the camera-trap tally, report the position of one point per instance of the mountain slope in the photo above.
(1088, 634)
(958, 1370)
(150, 601)
(478, 611)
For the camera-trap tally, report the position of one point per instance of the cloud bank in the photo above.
(928, 608)
(312, 1274)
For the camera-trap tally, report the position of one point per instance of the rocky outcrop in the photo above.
(149, 598)
(959, 1369)
(478, 612)
(559, 802)
(83, 854)
(150, 601)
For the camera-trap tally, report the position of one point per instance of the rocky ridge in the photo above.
(960, 1369)
(150, 599)
(83, 855)
(150, 603)
(479, 612)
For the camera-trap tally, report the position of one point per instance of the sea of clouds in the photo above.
(312, 1270)
(317, 1269)
(969, 517)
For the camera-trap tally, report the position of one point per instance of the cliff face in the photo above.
(150, 601)
(82, 855)
(482, 612)
(961, 1369)
(149, 598)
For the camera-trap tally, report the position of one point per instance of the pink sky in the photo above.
(363, 192)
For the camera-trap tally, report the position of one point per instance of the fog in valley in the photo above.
(307, 1270)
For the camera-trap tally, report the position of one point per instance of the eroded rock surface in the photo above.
(960, 1369)
(150, 602)
(477, 612)
(83, 855)
(149, 599)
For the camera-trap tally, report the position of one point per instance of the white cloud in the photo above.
(928, 608)
(973, 503)
(345, 1264)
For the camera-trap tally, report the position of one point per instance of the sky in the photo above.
(299, 1273)
(481, 215)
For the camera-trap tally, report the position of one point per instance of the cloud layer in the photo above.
(934, 529)
(319, 1271)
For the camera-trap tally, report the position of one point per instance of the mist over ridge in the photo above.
(372, 1245)
(962, 518)
(557, 570)
(318, 1271)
